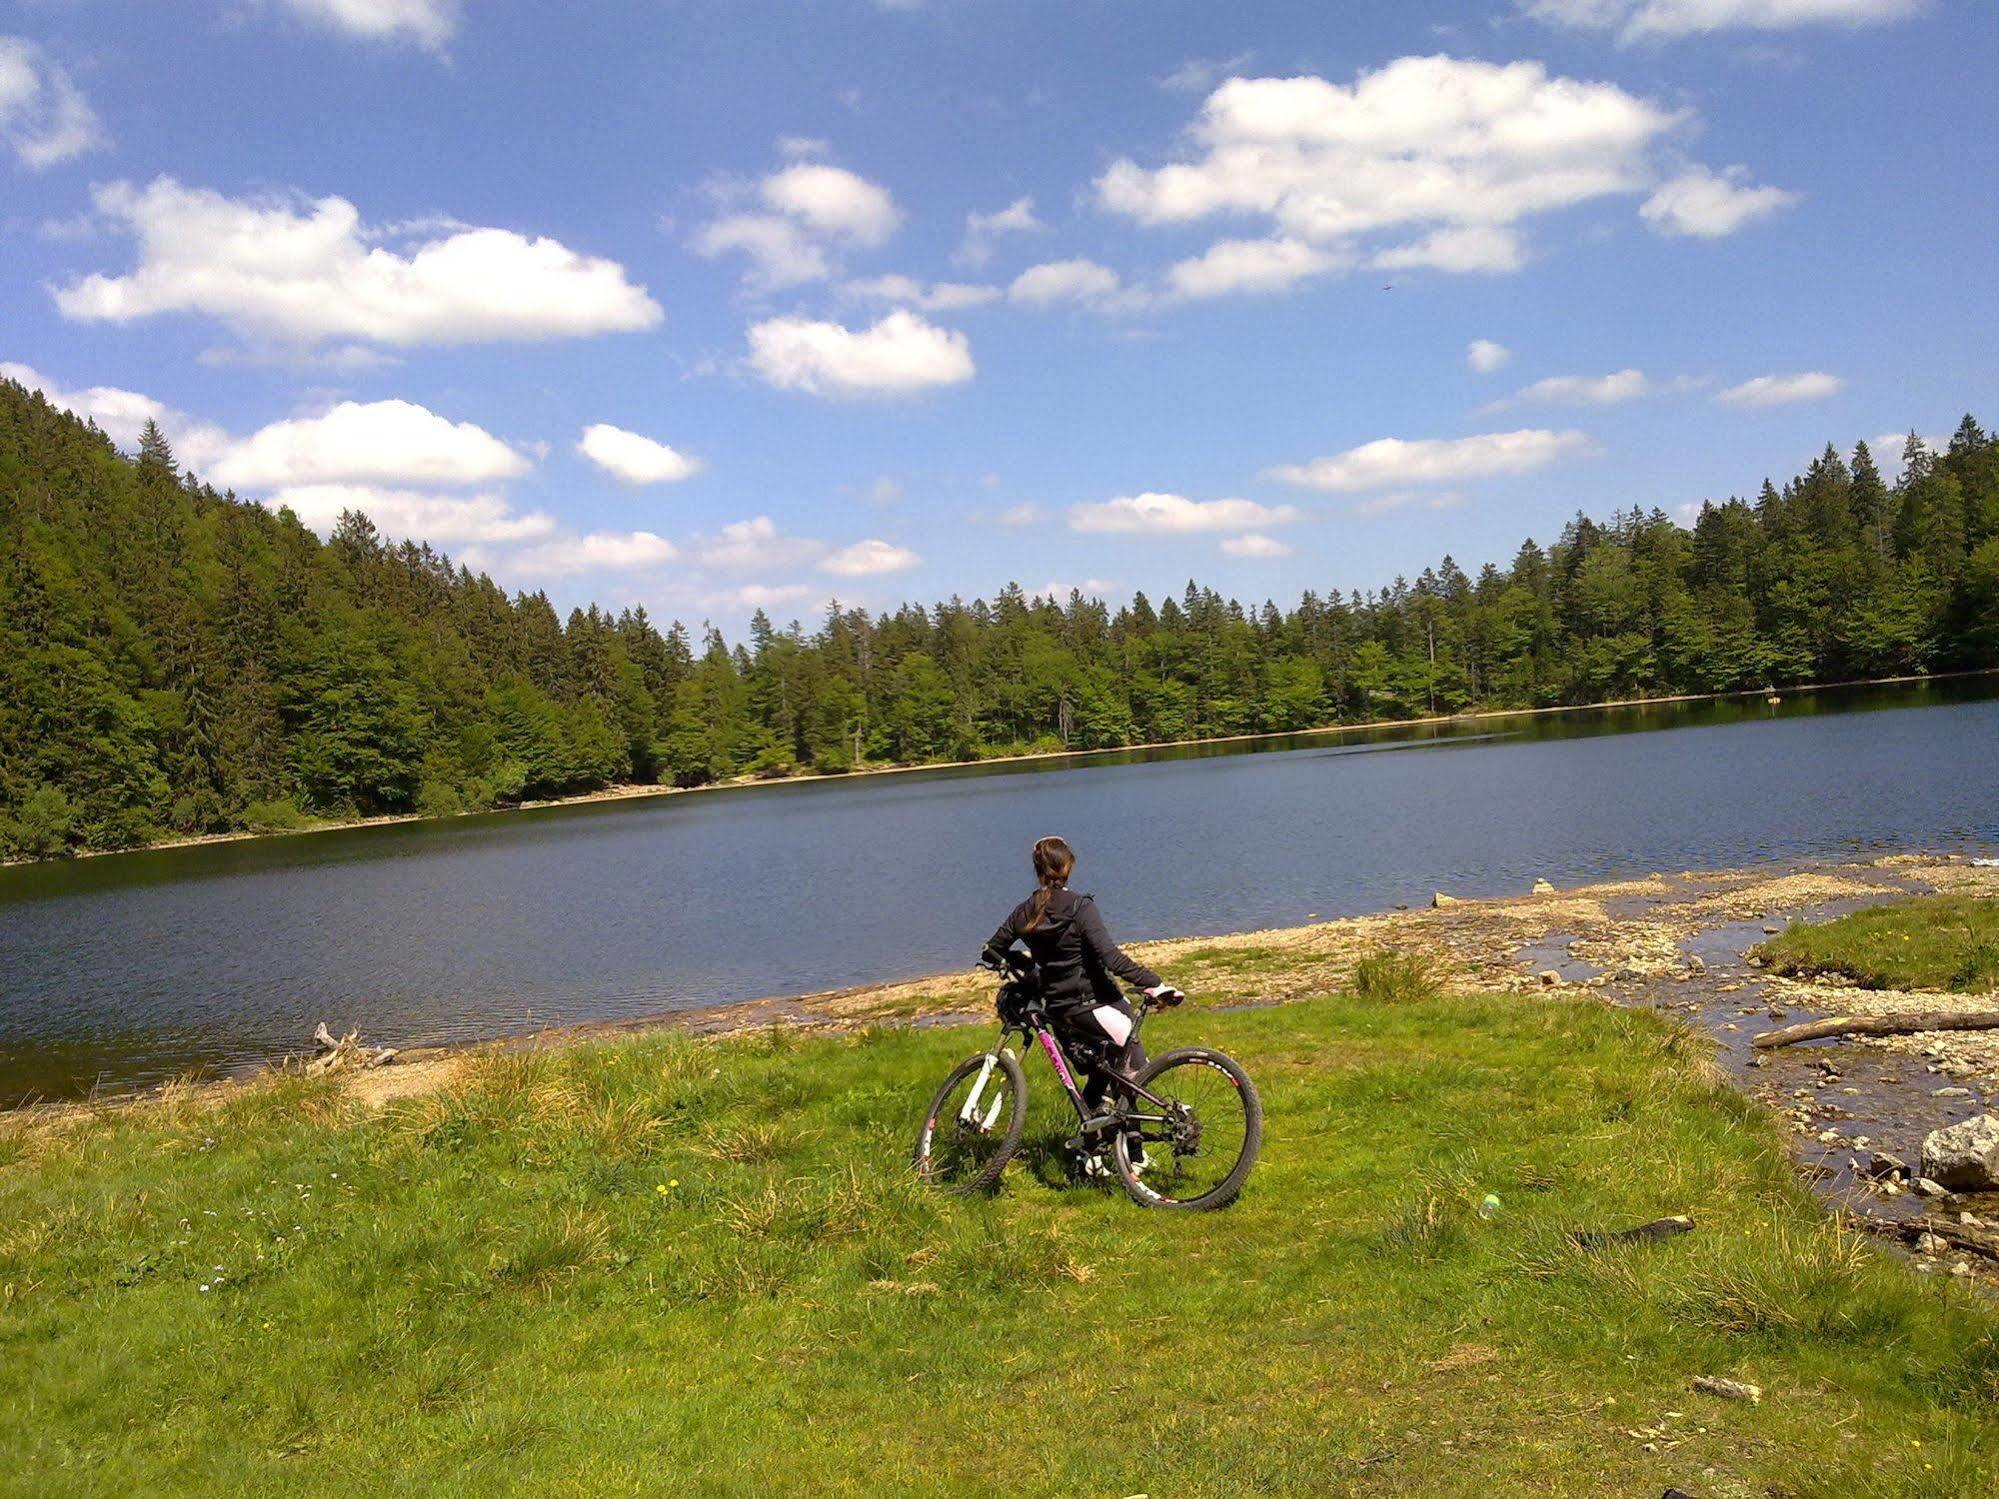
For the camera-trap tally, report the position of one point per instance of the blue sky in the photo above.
(706, 305)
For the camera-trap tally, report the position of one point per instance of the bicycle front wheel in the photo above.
(1195, 1152)
(974, 1123)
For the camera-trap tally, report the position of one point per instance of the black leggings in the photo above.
(1081, 1024)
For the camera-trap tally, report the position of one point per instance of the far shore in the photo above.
(636, 790)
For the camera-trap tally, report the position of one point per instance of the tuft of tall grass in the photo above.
(1390, 977)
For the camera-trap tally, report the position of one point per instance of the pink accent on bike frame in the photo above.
(1055, 1060)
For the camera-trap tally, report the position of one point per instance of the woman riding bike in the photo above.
(1079, 967)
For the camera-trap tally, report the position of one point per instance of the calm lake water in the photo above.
(131, 969)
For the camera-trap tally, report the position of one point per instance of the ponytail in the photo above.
(1053, 859)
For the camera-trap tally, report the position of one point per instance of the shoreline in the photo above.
(636, 791)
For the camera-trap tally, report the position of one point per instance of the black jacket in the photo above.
(1075, 954)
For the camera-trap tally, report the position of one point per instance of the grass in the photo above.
(1948, 942)
(671, 1266)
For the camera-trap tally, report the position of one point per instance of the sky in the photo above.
(711, 305)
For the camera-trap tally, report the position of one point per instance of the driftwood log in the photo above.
(1879, 1025)
(1979, 1241)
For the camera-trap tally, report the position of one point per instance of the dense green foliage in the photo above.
(664, 1266)
(178, 662)
(1937, 942)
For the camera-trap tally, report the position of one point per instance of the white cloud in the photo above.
(380, 442)
(298, 271)
(1485, 356)
(1026, 513)
(44, 117)
(1581, 390)
(866, 559)
(1173, 515)
(596, 551)
(1199, 74)
(981, 229)
(1394, 461)
(122, 415)
(1640, 20)
(1409, 499)
(780, 253)
(756, 596)
(755, 545)
(793, 147)
(1251, 266)
(635, 459)
(442, 519)
(1425, 143)
(885, 491)
(907, 291)
(899, 355)
(1065, 281)
(1089, 588)
(427, 23)
(834, 201)
(1254, 544)
(1708, 205)
(1473, 248)
(1782, 390)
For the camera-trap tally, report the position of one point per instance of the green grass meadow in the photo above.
(1945, 942)
(666, 1266)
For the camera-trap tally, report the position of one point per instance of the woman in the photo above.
(1080, 966)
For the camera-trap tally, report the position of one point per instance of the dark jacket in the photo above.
(1078, 961)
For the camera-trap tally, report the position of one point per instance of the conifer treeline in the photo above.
(176, 661)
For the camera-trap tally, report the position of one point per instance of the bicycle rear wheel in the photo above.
(1196, 1152)
(974, 1123)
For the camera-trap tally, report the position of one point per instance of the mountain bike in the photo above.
(1183, 1133)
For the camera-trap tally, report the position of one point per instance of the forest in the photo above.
(174, 661)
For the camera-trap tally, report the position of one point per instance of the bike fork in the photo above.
(969, 1113)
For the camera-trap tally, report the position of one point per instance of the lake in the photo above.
(130, 969)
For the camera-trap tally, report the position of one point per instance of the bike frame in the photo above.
(1036, 1030)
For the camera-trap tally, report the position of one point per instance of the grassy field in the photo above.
(673, 1266)
(1937, 942)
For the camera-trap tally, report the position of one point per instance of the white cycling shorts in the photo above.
(1116, 1024)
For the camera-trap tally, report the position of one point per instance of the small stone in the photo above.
(1696, 964)
(1951, 1092)
(1729, 1389)
(1929, 1188)
(1439, 900)
(1965, 1156)
(1550, 978)
(1771, 931)
(1929, 1244)
(1542, 887)
(1960, 1268)
(1882, 1164)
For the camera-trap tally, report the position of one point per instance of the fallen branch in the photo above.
(345, 1052)
(1979, 1241)
(1879, 1025)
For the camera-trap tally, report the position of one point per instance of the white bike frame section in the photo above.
(969, 1111)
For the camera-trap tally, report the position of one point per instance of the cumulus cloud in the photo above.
(1089, 588)
(594, 551)
(834, 201)
(44, 117)
(1257, 266)
(1026, 513)
(1782, 390)
(1391, 461)
(866, 559)
(780, 253)
(1643, 20)
(1709, 205)
(443, 519)
(1485, 356)
(755, 545)
(1174, 515)
(1445, 156)
(981, 229)
(122, 415)
(425, 23)
(1581, 390)
(907, 291)
(1055, 281)
(1254, 544)
(1473, 247)
(634, 459)
(296, 271)
(379, 442)
(900, 355)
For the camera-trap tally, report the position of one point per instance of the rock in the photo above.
(1882, 1164)
(1542, 887)
(1696, 964)
(1964, 1157)
(1440, 900)
(1929, 1188)
(1950, 1092)
(1929, 1244)
(1960, 1268)
(1771, 931)
(1550, 978)
(1728, 1389)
